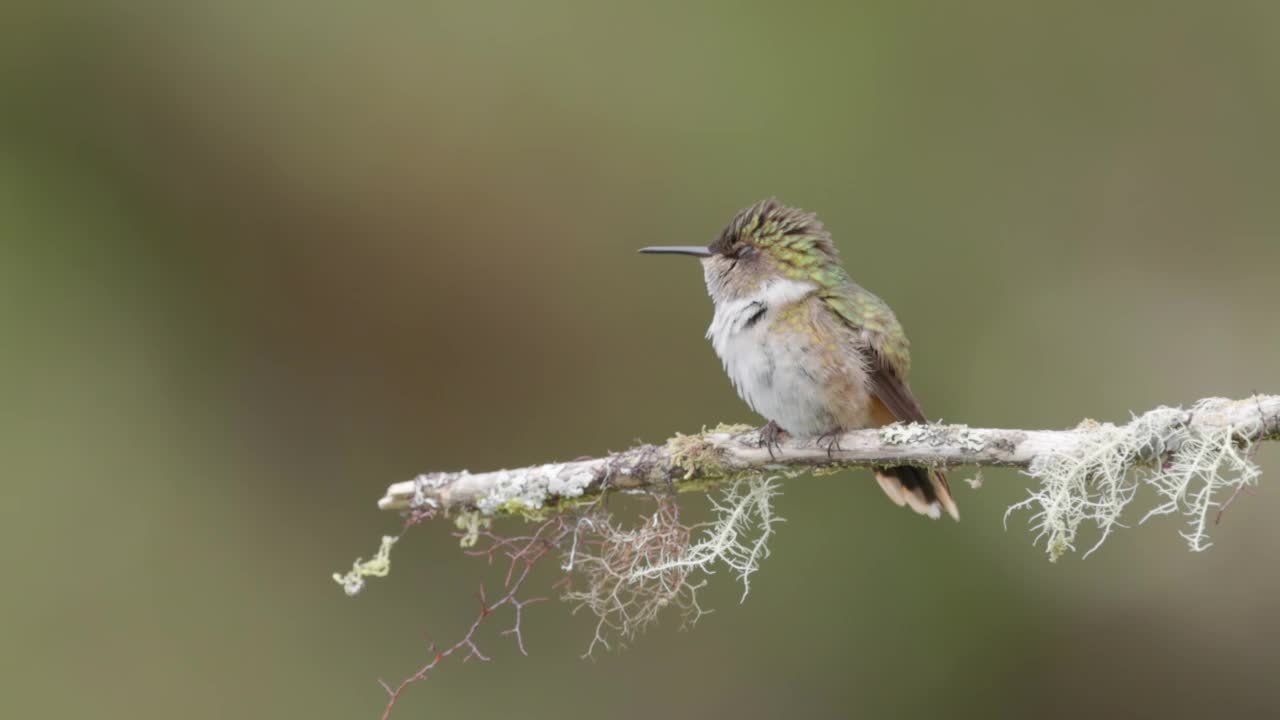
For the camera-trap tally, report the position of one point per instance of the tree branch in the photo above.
(1192, 461)
(695, 462)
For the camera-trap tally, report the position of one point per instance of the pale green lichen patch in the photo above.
(966, 438)
(379, 565)
(552, 506)
(904, 433)
(427, 482)
(698, 455)
(702, 458)
(471, 523)
(517, 507)
(731, 429)
(533, 488)
(959, 436)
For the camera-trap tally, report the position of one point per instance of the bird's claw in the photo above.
(832, 441)
(771, 437)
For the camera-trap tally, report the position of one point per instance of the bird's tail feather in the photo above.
(923, 490)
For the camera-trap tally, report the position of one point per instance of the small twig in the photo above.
(523, 553)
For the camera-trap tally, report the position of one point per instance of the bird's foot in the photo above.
(771, 437)
(831, 441)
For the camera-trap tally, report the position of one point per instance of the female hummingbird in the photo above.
(805, 346)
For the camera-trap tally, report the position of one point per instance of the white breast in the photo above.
(766, 367)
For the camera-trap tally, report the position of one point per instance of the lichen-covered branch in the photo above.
(1191, 462)
(727, 452)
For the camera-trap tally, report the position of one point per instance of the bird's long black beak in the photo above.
(695, 250)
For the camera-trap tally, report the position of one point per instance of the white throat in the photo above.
(747, 314)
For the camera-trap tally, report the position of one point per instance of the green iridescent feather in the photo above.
(863, 310)
(804, 250)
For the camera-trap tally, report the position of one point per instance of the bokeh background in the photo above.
(259, 260)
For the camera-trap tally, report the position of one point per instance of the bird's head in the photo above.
(763, 243)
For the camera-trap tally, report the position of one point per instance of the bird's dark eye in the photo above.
(743, 250)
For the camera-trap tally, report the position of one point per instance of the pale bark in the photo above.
(695, 461)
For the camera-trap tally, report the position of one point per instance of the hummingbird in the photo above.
(807, 348)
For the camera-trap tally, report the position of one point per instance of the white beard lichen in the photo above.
(1191, 469)
(631, 575)
(737, 538)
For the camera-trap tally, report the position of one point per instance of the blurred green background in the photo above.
(259, 260)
